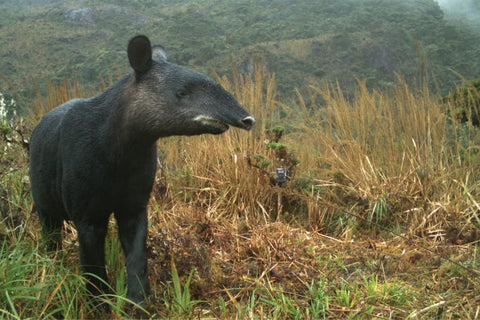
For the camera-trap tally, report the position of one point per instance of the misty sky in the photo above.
(454, 3)
(465, 8)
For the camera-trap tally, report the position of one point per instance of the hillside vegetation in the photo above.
(303, 42)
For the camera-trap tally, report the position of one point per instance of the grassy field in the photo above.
(378, 219)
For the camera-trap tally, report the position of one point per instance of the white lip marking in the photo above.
(209, 120)
(202, 118)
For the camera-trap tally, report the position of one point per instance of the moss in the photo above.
(5, 129)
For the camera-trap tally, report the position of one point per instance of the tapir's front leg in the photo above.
(91, 237)
(132, 228)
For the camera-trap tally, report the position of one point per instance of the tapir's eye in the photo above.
(182, 93)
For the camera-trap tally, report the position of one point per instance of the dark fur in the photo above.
(91, 157)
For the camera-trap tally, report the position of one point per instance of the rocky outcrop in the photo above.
(90, 15)
(80, 15)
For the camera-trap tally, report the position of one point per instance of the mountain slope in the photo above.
(302, 41)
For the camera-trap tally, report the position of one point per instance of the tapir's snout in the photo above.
(217, 125)
(247, 123)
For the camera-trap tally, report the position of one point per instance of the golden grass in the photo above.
(389, 157)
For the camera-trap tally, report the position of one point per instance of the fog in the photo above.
(462, 9)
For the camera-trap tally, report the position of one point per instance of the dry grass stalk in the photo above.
(394, 147)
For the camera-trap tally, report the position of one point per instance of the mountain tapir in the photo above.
(96, 156)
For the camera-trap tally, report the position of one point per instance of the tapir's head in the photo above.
(167, 99)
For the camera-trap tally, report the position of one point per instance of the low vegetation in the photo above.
(467, 102)
(377, 217)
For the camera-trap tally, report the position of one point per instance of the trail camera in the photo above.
(281, 176)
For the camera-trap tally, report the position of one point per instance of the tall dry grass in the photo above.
(391, 158)
(397, 153)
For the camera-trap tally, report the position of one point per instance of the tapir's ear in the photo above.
(159, 53)
(140, 53)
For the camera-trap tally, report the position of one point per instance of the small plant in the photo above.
(372, 287)
(345, 297)
(115, 264)
(178, 300)
(282, 304)
(261, 161)
(275, 134)
(318, 300)
(8, 108)
(379, 211)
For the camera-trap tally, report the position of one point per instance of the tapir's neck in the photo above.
(123, 136)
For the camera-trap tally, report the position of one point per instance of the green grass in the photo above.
(34, 285)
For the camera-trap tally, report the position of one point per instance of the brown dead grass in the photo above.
(233, 259)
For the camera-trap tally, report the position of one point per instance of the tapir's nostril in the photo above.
(248, 122)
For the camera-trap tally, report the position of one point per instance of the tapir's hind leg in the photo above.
(51, 231)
